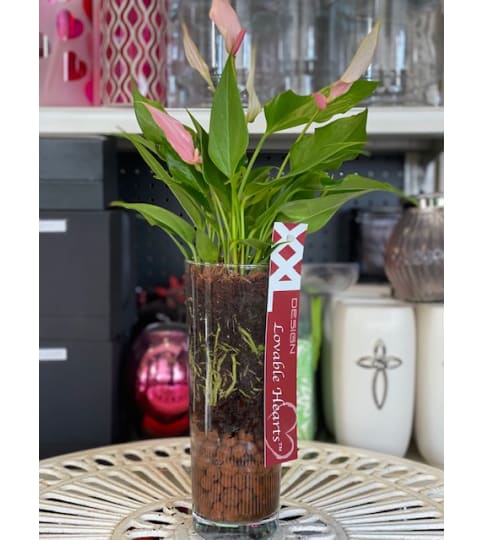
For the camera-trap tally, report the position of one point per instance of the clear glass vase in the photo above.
(234, 494)
(414, 253)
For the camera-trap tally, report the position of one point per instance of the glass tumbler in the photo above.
(426, 37)
(390, 62)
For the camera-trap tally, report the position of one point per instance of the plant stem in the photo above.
(234, 224)
(300, 136)
(241, 199)
(221, 216)
(250, 166)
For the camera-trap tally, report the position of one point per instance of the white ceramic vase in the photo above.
(429, 396)
(373, 374)
(361, 292)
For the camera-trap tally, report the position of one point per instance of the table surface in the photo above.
(143, 490)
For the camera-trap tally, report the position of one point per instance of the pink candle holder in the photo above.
(161, 379)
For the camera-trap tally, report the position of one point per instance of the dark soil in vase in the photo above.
(226, 320)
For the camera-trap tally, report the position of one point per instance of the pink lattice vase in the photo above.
(133, 45)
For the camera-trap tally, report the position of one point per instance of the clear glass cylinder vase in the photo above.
(234, 494)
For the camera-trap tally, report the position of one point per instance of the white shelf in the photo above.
(382, 121)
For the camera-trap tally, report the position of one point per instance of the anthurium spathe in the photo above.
(359, 64)
(254, 106)
(229, 200)
(194, 57)
(320, 100)
(176, 134)
(226, 19)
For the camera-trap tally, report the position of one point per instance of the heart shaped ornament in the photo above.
(68, 27)
(73, 67)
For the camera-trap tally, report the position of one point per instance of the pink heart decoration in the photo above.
(74, 68)
(68, 27)
(283, 449)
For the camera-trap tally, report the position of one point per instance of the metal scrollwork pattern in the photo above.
(142, 490)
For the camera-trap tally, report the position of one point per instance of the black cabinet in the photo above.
(77, 173)
(80, 393)
(86, 275)
(86, 296)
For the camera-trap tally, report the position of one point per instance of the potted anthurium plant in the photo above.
(231, 205)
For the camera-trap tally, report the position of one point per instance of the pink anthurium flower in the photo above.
(320, 100)
(226, 19)
(359, 64)
(176, 134)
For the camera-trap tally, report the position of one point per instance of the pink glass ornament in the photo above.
(133, 45)
(161, 379)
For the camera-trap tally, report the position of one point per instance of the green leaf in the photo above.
(207, 250)
(140, 97)
(259, 185)
(213, 177)
(356, 183)
(308, 185)
(261, 249)
(182, 171)
(176, 227)
(294, 178)
(251, 242)
(317, 212)
(148, 151)
(287, 110)
(149, 128)
(358, 91)
(190, 199)
(330, 145)
(228, 133)
(156, 215)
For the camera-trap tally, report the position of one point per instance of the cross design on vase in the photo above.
(380, 362)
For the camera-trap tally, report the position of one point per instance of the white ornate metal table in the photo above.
(142, 490)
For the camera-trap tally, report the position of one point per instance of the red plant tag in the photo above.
(281, 339)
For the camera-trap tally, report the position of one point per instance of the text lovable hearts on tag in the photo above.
(284, 444)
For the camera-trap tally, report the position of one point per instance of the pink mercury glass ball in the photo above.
(161, 383)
